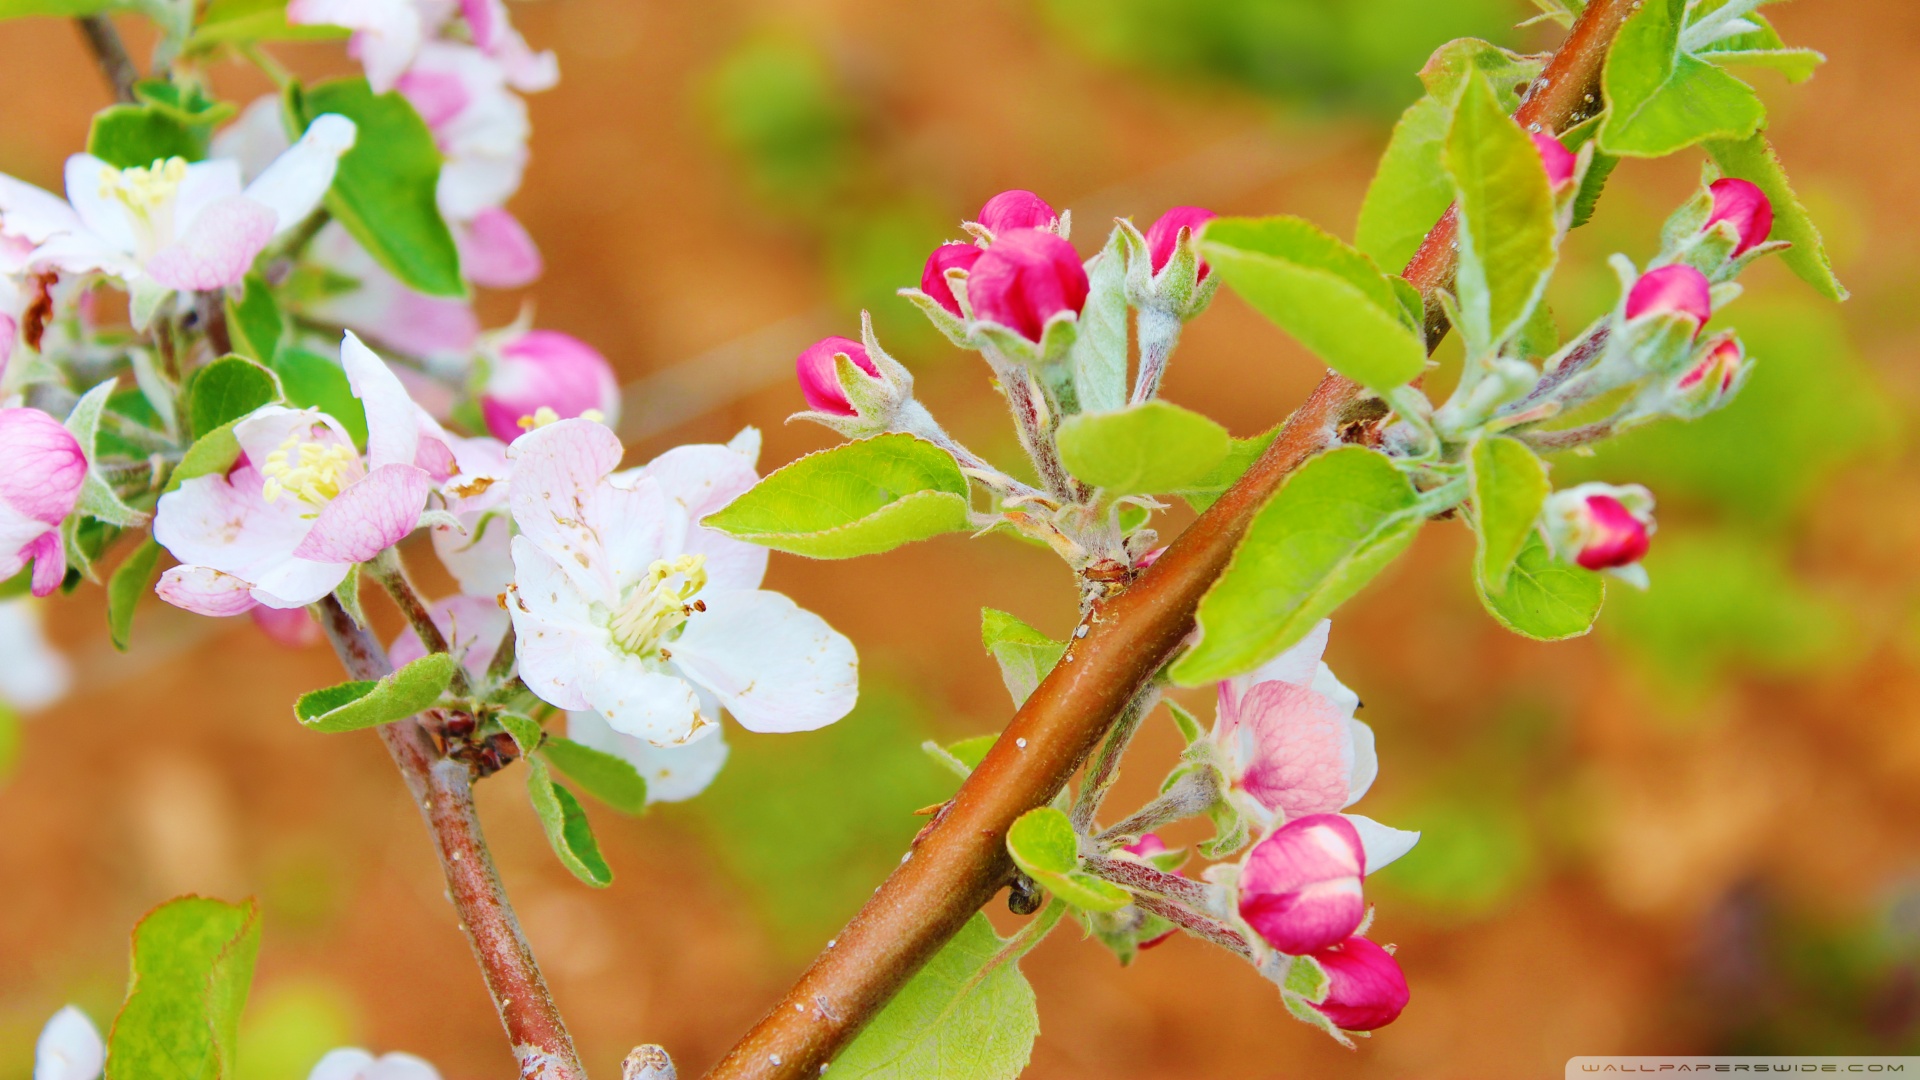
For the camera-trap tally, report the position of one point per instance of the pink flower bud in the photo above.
(1677, 287)
(1017, 209)
(1614, 535)
(1164, 233)
(291, 627)
(1300, 886)
(38, 489)
(551, 370)
(933, 278)
(1365, 987)
(1025, 279)
(1148, 844)
(1746, 206)
(1718, 368)
(1555, 156)
(820, 379)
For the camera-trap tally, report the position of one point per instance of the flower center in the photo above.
(308, 470)
(660, 603)
(545, 415)
(145, 192)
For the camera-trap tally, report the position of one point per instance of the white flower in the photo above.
(353, 1063)
(388, 35)
(69, 1048)
(626, 606)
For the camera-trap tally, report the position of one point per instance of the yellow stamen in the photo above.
(660, 603)
(307, 470)
(541, 417)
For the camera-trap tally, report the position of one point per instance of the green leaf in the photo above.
(1507, 230)
(210, 455)
(525, 730)
(254, 321)
(354, 705)
(1024, 654)
(1099, 353)
(1324, 293)
(610, 779)
(1189, 725)
(859, 498)
(137, 136)
(568, 831)
(384, 190)
(97, 500)
(1336, 523)
(227, 390)
(1043, 843)
(311, 381)
(1509, 486)
(1753, 160)
(1602, 166)
(226, 21)
(62, 9)
(1240, 457)
(189, 103)
(192, 966)
(128, 584)
(972, 751)
(1659, 99)
(968, 1015)
(1544, 598)
(1152, 447)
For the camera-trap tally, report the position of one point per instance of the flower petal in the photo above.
(496, 252)
(368, 517)
(1366, 762)
(297, 180)
(673, 773)
(1303, 752)
(217, 249)
(1382, 843)
(646, 704)
(69, 1048)
(559, 649)
(481, 558)
(774, 665)
(45, 465)
(472, 625)
(555, 498)
(49, 557)
(393, 420)
(298, 582)
(205, 591)
(102, 215)
(36, 674)
(206, 183)
(35, 213)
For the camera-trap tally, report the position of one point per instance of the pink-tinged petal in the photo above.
(1555, 157)
(296, 583)
(206, 591)
(438, 96)
(475, 179)
(84, 252)
(49, 557)
(1300, 886)
(393, 420)
(1675, 288)
(102, 215)
(1148, 844)
(297, 180)
(1616, 536)
(34, 214)
(293, 628)
(45, 466)
(673, 773)
(1164, 234)
(480, 559)
(1017, 209)
(933, 276)
(496, 251)
(557, 471)
(819, 374)
(435, 457)
(217, 249)
(774, 665)
(646, 704)
(480, 476)
(387, 33)
(1303, 751)
(1025, 279)
(368, 517)
(256, 138)
(206, 183)
(547, 369)
(1365, 987)
(1298, 665)
(353, 1063)
(472, 625)
(9, 333)
(483, 21)
(1742, 204)
(225, 522)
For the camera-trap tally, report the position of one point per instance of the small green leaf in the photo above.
(97, 499)
(859, 498)
(610, 779)
(1336, 523)
(137, 136)
(254, 321)
(1754, 160)
(1307, 978)
(1189, 725)
(228, 21)
(384, 190)
(312, 381)
(525, 730)
(62, 9)
(192, 966)
(971, 752)
(1546, 599)
(568, 831)
(1099, 353)
(210, 455)
(354, 705)
(348, 594)
(1043, 843)
(968, 1015)
(1327, 295)
(1507, 230)
(227, 390)
(1509, 485)
(1024, 654)
(128, 584)
(1240, 457)
(1152, 447)
(1659, 99)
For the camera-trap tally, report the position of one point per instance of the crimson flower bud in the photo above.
(1300, 886)
(1555, 156)
(1026, 279)
(1164, 233)
(1017, 209)
(547, 370)
(1716, 372)
(1746, 207)
(1365, 987)
(1678, 288)
(1618, 538)
(1600, 526)
(820, 377)
(933, 278)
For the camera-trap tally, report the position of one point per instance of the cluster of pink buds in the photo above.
(1602, 527)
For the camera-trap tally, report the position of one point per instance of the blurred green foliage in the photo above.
(1349, 53)
(776, 106)
(290, 1026)
(811, 822)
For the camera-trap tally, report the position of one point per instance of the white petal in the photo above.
(673, 773)
(34, 674)
(639, 701)
(206, 183)
(225, 523)
(747, 445)
(1298, 664)
(267, 428)
(702, 479)
(1382, 843)
(1366, 763)
(774, 665)
(557, 472)
(69, 1048)
(104, 216)
(254, 140)
(33, 213)
(560, 650)
(393, 420)
(346, 1063)
(298, 582)
(296, 182)
(480, 559)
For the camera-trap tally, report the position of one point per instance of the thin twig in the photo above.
(1196, 924)
(443, 789)
(111, 54)
(959, 861)
(393, 577)
(1138, 877)
(1189, 796)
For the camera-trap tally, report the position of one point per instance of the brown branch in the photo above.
(443, 789)
(110, 53)
(959, 861)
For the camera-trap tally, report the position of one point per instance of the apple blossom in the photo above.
(70, 1048)
(1017, 209)
(1741, 204)
(546, 369)
(389, 34)
(1554, 155)
(1677, 288)
(819, 374)
(1300, 885)
(353, 1063)
(1165, 231)
(173, 225)
(38, 489)
(625, 605)
(1027, 279)
(933, 277)
(1365, 987)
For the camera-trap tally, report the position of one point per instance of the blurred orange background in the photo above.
(1696, 831)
